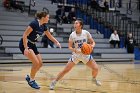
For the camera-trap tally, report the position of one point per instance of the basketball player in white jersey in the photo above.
(78, 37)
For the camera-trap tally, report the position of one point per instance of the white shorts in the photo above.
(76, 58)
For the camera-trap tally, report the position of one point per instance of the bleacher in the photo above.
(13, 24)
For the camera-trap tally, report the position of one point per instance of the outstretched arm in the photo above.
(48, 34)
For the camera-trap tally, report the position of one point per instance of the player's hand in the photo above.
(26, 51)
(59, 45)
(77, 51)
(92, 45)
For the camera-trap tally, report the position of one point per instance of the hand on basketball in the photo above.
(92, 45)
(77, 51)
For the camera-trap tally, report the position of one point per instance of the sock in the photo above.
(54, 81)
(93, 78)
(31, 79)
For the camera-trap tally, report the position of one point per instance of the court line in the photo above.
(59, 88)
(10, 70)
(126, 79)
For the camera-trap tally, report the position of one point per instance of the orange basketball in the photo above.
(86, 49)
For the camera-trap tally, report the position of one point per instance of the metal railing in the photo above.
(107, 21)
(130, 7)
(45, 9)
(31, 4)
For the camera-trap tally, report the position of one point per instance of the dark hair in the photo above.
(41, 14)
(80, 21)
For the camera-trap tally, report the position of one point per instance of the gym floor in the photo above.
(115, 78)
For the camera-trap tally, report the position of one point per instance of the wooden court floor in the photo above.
(115, 78)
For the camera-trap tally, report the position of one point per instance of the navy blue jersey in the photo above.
(37, 30)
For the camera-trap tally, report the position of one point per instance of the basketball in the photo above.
(86, 49)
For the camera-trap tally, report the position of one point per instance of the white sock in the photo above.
(54, 81)
(31, 79)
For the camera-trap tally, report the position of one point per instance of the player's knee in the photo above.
(95, 68)
(40, 64)
(36, 65)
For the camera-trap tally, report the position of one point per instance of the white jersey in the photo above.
(78, 40)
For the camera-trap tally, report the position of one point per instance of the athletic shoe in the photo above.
(97, 82)
(52, 85)
(27, 78)
(33, 84)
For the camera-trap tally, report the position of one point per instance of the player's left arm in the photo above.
(91, 40)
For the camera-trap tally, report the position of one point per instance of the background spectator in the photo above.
(130, 43)
(101, 5)
(60, 15)
(114, 39)
(6, 4)
(106, 6)
(14, 4)
(54, 1)
(94, 5)
(17, 5)
(72, 15)
(46, 41)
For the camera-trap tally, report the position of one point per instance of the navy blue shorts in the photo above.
(30, 45)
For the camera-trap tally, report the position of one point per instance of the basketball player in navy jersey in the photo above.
(78, 37)
(28, 47)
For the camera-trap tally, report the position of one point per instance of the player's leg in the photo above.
(92, 64)
(40, 60)
(35, 62)
(67, 68)
(35, 67)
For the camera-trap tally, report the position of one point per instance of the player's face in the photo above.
(46, 19)
(77, 25)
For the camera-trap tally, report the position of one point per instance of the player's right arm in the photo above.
(25, 41)
(48, 34)
(70, 45)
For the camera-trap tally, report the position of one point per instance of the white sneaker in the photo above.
(97, 82)
(52, 85)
